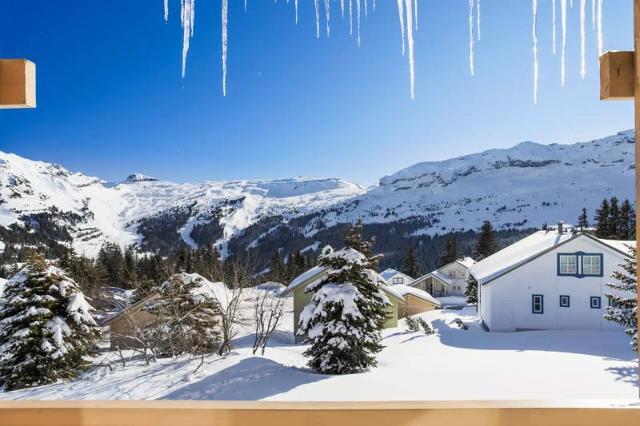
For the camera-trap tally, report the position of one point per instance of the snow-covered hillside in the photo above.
(521, 187)
(111, 212)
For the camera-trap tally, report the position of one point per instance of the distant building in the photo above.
(393, 277)
(553, 279)
(318, 273)
(450, 280)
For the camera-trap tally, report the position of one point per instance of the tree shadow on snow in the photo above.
(606, 344)
(628, 374)
(251, 379)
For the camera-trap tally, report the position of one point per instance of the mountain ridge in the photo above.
(516, 188)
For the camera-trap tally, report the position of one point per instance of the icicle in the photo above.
(415, 13)
(534, 34)
(478, 16)
(187, 14)
(366, 7)
(327, 15)
(563, 64)
(555, 30)
(245, 6)
(225, 10)
(166, 10)
(295, 6)
(358, 13)
(350, 17)
(600, 34)
(374, 5)
(342, 9)
(571, 4)
(317, 9)
(593, 15)
(471, 38)
(583, 47)
(401, 13)
(409, 8)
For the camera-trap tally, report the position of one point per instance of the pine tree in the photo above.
(623, 308)
(614, 218)
(472, 290)
(450, 252)
(353, 239)
(487, 244)
(602, 220)
(187, 315)
(583, 220)
(277, 268)
(342, 323)
(411, 264)
(626, 224)
(47, 328)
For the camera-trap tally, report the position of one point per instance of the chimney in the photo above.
(561, 227)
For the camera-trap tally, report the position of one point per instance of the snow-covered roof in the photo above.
(405, 290)
(389, 273)
(527, 249)
(270, 286)
(3, 283)
(467, 262)
(318, 273)
(623, 246)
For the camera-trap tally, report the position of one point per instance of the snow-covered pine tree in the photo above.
(46, 327)
(472, 290)
(347, 311)
(188, 315)
(623, 308)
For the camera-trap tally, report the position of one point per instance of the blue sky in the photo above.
(111, 100)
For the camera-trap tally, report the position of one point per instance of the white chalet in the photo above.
(553, 279)
(393, 277)
(450, 280)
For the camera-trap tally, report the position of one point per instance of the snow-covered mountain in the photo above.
(520, 187)
(523, 186)
(92, 211)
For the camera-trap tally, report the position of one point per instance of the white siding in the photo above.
(506, 301)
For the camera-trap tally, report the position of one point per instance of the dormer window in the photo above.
(397, 280)
(580, 264)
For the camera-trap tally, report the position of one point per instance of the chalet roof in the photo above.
(389, 273)
(319, 272)
(467, 262)
(531, 247)
(405, 290)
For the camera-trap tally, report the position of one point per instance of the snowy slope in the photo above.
(107, 212)
(520, 187)
(524, 186)
(559, 365)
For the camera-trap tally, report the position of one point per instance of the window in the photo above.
(537, 304)
(592, 264)
(595, 302)
(567, 264)
(565, 301)
(397, 280)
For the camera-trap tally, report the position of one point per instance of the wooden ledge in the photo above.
(196, 413)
